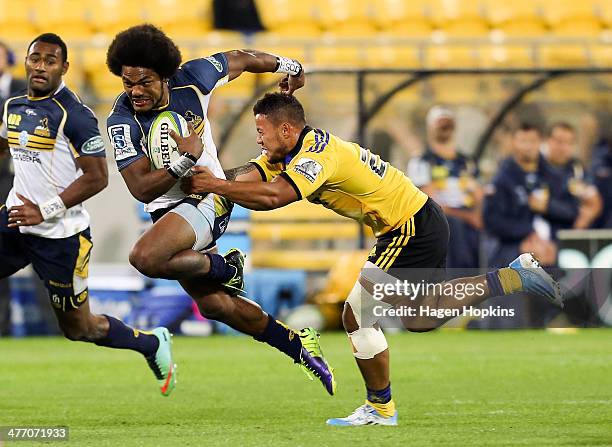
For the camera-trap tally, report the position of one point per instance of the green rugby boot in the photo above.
(313, 362)
(161, 363)
(235, 285)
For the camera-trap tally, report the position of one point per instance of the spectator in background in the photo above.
(8, 87)
(450, 178)
(601, 171)
(8, 84)
(519, 206)
(560, 153)
(237, 15)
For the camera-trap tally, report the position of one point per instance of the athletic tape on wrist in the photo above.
(52, 208)
(182, 166)
(288, 66)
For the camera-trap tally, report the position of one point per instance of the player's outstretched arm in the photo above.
(254, 195)
(255, 61)
(244, 173)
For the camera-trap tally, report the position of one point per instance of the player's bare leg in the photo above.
(165, 251)
(369, 345)
(247, 317)
(80, 324)
(215, 303)
(375, 371)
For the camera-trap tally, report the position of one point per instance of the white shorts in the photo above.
(201, 218)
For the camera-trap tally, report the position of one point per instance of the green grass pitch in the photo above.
(452, 388)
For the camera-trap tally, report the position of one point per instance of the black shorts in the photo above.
(420, 243)
(62, 264)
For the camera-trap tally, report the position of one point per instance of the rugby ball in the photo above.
(162, 148)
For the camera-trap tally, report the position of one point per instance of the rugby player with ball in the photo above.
(181, 244)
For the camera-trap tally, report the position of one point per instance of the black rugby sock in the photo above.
(121, 336)
(220, 270)
(278, 335)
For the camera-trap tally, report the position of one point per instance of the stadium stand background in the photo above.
(343, 35)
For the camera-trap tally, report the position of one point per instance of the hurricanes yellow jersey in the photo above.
(348, 179)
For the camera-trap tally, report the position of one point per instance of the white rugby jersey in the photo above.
(190, 90)
(46, 135)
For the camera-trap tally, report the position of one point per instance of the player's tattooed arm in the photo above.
(255, 195)
(244, 173)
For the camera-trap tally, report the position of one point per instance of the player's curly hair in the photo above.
(143, 46)
(280, 107)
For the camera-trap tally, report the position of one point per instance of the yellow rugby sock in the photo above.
(386, 410)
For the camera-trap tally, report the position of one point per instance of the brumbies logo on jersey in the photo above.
(194, 119)
(308, 168)
(42, 129)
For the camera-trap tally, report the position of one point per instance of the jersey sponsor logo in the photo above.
(218, 66)
(56, 301)
(308, 168)
(30, 112)
(26, 156)
(23, 138)
(93, 146)
(122, 141)
(62, 285)
(42, 130)
(13, 120)
(223, 224)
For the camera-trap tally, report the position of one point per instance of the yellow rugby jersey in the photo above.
(348, 179)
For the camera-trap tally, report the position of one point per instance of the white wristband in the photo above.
(181, 167)
(52, 208)
(289, 66)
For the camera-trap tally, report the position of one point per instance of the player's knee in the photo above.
(348, 319)
(145, 261)
(368, 342)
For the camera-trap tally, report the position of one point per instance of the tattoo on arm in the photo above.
(231, 174)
